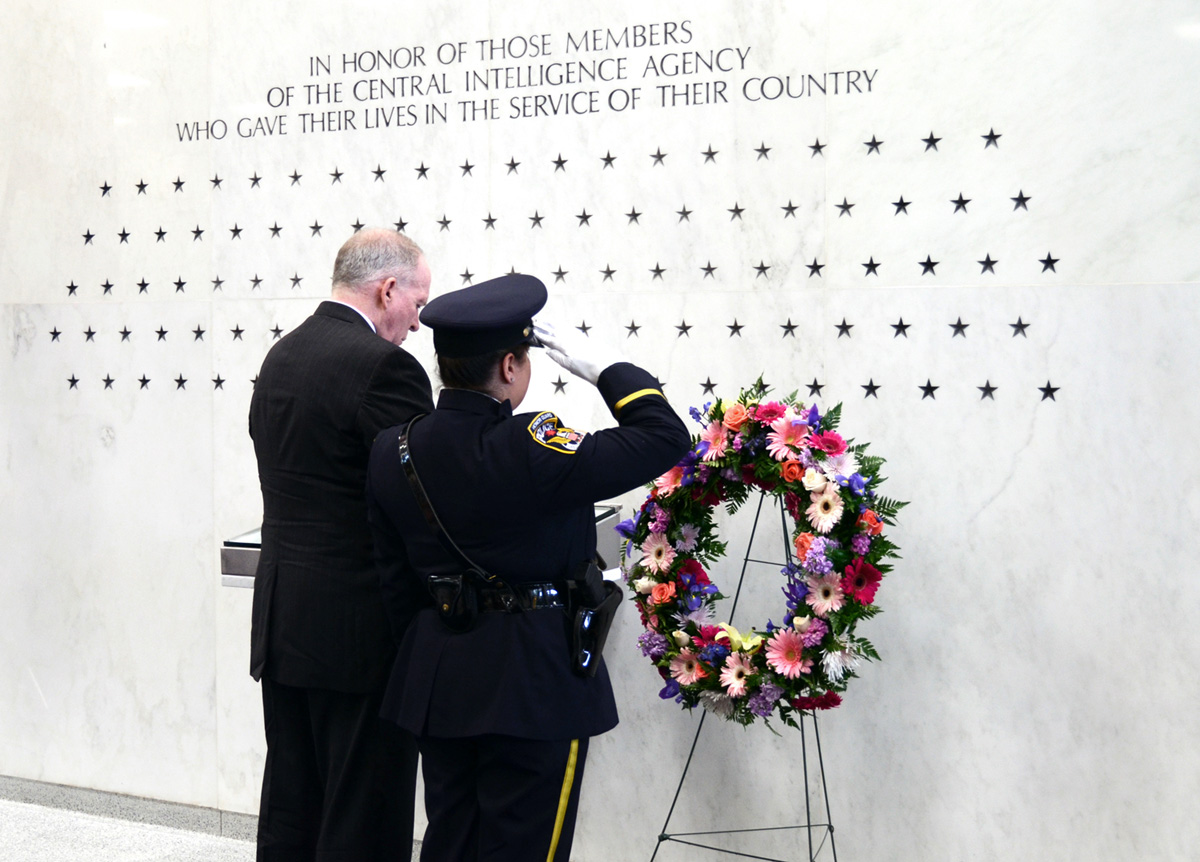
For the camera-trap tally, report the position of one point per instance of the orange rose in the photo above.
(792, 471)
(869, 522)
(662, 593)
(735, 417)
(803, 542)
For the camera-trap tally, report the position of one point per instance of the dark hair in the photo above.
(475, 372)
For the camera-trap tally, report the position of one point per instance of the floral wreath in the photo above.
(829, 487)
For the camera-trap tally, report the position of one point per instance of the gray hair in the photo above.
(372, 254)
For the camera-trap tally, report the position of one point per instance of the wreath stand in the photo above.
(821, 831)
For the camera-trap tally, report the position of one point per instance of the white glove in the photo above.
(575, 353)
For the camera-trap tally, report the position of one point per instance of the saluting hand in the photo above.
(576, 353)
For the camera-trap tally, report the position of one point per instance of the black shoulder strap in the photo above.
(426, 507)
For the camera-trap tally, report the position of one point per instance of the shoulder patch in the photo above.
(546, 429)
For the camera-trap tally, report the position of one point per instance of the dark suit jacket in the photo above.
(516, 493)
(325, 390)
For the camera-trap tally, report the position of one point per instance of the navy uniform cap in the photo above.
(485, 317)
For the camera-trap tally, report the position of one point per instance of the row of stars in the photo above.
(928, 389)
(180, 284)
(608, 160)
(584, 217)
(900, 328)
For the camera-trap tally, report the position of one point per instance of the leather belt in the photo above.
(531, 597)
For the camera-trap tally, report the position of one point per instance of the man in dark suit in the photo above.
(338, 783)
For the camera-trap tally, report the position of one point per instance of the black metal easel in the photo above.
(824, 830)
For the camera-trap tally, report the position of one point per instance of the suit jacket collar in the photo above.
(471, 401)
(328, 308)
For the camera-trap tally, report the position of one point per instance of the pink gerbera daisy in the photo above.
(669, 481)
(733, 677)
(717, 438)
(657, 553)
(861, 580)
(686, 668)
(787, 432)
(785, 654)
(826, 509)
(825, 594)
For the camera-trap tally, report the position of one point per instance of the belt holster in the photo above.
(595, 602)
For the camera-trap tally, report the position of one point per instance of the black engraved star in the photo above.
(844, 328)
(237, 332)
(160, 235)
(657, 271)
(89, 334)
(199, 333)
(987, 264)
(141, 187)
(708, 269)
(54, 334)
(1048, 391)
(216, 184)
(87, 237)
(125, 333)
(871, 388)
(379, 171)
(560, 385)
(295, 175)
(197, 233)
(960, 203)
(337, 175)
(1020, 201)
(536, 219)
(928, 389)
(296, 279)
(1019, 328)
(235, 232)
(710, 155)
(105, 189)
(143, 286)
(1048, 263)
(255, 282)
(180, 383)
(788, 328)
(107, 287)
(991, 139)
(684, 214)
(71, 288)
(814, 389)
(560, 164)
(358, 225)
(275, 229)
(315, 227)
(817, 148)
(845, 207)
(632, 328)
(74, 381)
(873, 146)
(466, 167)
(276, 332)
(815, 268)
(178, 183)
(162, 333)
(633, 215)
(423, 172)
(959, 328)
(608, 158)
(658, 155)
(708, 387)
(583, 327)
(736, 328)
(108, 381)
(466, 275)
(400, 224)
(255, 180)
(762, 149)
(736, 212)
(218, 382)
(124, 236)
(901, 206)
(901, 328)
(144, 380)
(789, 210)
(871, 266)
(444, 223)
(217, 282)
(987, 389)
(489, 223)
(761, 269)
(179, 283)
(559, 274)
(931, 142)
(607, 272)
(584, 217)
(684, 328)
(928, 265)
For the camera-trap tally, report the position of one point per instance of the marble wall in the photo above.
(998, 204)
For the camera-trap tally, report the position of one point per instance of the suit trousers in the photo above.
(500, 799)
(339, 781)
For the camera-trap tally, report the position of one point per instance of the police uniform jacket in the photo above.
(323, 393)
(516, 494)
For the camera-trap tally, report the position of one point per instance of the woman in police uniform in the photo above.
(503, 722)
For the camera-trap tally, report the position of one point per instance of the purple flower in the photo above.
(816, 631)
(714, 654)
(763, 701)
(670, 690)
(694, 412)
(653, 645)
(814, 416)
(860, 544)
(626, 528)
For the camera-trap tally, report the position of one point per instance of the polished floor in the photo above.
(32, 833)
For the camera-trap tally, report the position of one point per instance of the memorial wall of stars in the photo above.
(974, 228)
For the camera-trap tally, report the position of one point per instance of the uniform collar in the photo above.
(473, 402)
